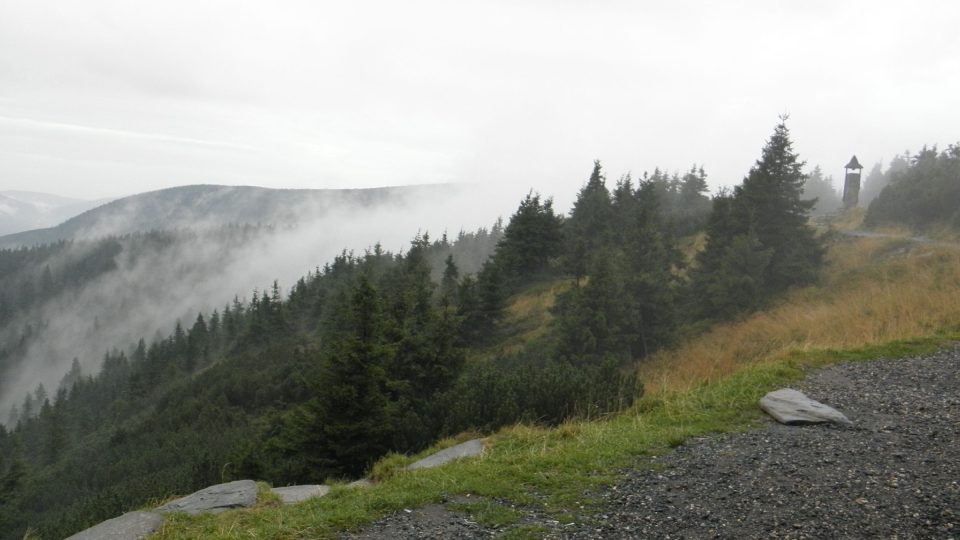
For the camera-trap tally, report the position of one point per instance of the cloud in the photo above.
(377, 93)
(40, 125)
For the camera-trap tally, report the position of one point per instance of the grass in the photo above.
(527, 318)
(879, 298)
(874, 291)
(551, 469)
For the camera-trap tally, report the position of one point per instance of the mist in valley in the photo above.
(203, 268)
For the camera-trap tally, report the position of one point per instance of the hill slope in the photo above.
(24, 210)
(213, 206)
(85, 296)
(532, 481)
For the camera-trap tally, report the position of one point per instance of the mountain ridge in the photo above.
(26, 210)
(211, 205)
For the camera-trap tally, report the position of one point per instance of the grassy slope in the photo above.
(879, 298)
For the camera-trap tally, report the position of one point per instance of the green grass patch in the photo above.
(554, 470)
(895, 349)
(266, 496)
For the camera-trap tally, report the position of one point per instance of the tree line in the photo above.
(920, 191)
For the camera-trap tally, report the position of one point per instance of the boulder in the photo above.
(794, 408)
(215, 499)
(361, 483)
(130, 526)
(468, 449)
(295, 494)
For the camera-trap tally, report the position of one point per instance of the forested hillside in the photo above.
(81, 297)
(921, 192)
(381, 351)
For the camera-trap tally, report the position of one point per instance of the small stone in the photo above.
(792, 407)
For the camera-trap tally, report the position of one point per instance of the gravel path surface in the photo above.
(895, 474)
(430, 522)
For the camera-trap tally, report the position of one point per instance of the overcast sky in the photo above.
(106, 98)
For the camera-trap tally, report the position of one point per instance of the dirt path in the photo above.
(914, 239)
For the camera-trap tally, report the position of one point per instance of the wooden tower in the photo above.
(851, 183)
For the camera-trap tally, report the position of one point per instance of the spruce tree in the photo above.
(771, 206)
(650, 257)
(597, 320)
(530, 240)
(759, 241)
(482, 304)
(449, 282)
(345, 427)
(590, 224)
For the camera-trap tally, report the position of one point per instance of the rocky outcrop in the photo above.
(470, 448)
(130, 526)
(296, 494)
(215, 499)
(243, 494)
(361, 483)
(793, 408)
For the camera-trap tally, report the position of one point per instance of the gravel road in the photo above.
(895, 474)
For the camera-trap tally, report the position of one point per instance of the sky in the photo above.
(108, 98)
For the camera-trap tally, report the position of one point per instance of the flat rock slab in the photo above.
(361, 483)
(130, 526)
(296, 494)
(468, 449)
(215, 499)
(793, 408)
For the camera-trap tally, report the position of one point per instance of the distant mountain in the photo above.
(207, 206)
(138, 265)
(25, 210)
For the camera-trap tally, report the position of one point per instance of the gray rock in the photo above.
(361, 483)
(468, 449)
(130, 526)
(295, 494)
(215, 499)
(794, 408)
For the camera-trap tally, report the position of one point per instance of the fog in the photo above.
(145, 296)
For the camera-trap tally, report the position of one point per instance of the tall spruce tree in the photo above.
(599, 319)
(482, 301)
(590, 223)
(651, 257)
(346, 425)
(530, 240)
(626, 308)
(759, 241)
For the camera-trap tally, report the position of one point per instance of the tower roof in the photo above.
(854, 164)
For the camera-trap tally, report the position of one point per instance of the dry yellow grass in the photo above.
(875, 290)
(527, 318)
(848, 219)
